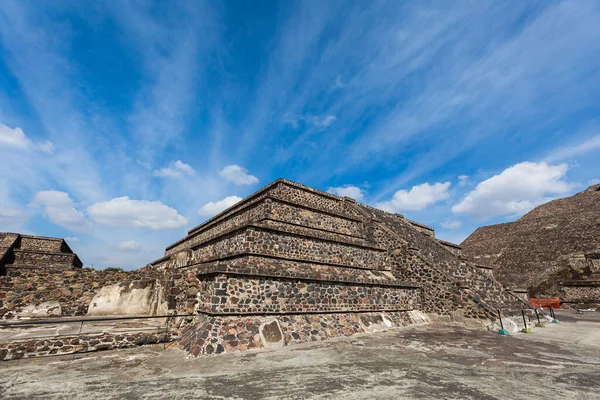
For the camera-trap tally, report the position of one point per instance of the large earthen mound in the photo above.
(555, 241)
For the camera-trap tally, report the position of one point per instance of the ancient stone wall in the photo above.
(243, 295)
(451, 247)
(283, 244)
(210, 335)
(254, 212)
(41, 244)
(38, 258)
(16, 350)
(306, 217)
(296, 204)
(308, 197)
(588, 292)
(72, 288)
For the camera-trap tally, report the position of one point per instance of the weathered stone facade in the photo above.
(288, 264)
(16, 350)
(553, 242)
(583, 292)
(72, 288)
(26, 251)
(315, 265)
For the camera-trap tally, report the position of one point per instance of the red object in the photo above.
(545, 303)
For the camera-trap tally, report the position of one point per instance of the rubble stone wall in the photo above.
(582, 293)
(306, 217)
(243, 295)
(16, 350)
(72, 288)
(36, 258)
(286, 245)
(308, 197)
(211, 335)
(255, 212)
(34, 243)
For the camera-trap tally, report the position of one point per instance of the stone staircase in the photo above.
(478, 286)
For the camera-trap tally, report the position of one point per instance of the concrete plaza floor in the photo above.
(420, 362)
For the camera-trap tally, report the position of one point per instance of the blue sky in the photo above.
(123, 124)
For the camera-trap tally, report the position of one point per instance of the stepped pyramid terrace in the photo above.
(27, 251)
(292, 264)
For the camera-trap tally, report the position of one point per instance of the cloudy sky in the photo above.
(123, 124)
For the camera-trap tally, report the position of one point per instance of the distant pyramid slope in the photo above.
(552, 242)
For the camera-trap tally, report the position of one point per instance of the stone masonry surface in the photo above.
(549, 244)
(289, 251)
(17, 250)
(288, 264)
(73, 288)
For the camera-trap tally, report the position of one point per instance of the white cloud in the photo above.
(319, 121)
(339, 83)
(567, 152)
(238, 175)
(144, 164)
(72, 239)
(175, 170)
(348, 190)
(417, 198)
(130, 245)
(124, 212)
(60, 209)
(46, 147)
(448, 224)
(14, 138)
(463, 180)
(214, 207)
(514, 191)
(322, 121)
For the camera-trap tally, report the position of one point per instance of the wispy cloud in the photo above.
(449, 224)
(571, 150)
(130, 245)
(175, 170)
(514, 191)
(417, 198)
(214, 207)
(238, 175)
(351, 191)
(59, 208)
(14, 138)
(125, 212)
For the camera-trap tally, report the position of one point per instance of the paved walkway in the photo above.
(423, 362)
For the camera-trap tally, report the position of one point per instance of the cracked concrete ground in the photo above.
(421, 362)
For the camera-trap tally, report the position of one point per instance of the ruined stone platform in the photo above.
(18, 251)
(307, 265)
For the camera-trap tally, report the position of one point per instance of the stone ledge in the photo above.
(258, 254)
(267, 196)
(34, 348)
(273, 268)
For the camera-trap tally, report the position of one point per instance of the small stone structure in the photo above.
(33, 252)
(41, 277)
(293, 264)
(557, 241)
